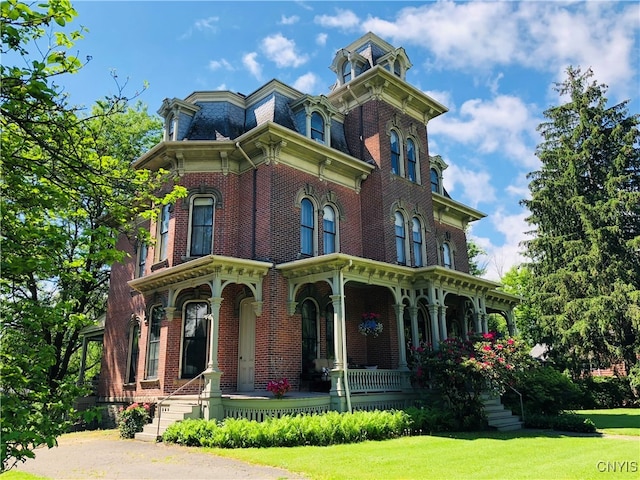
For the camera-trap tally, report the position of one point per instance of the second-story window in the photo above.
(395, 153)
(201, 232)
(411, 161)
(307, 227)
(329, 229)
(447, 257)
(401, 236)
(142, 259)
(317, 127)
(165, 215)
(417, 242)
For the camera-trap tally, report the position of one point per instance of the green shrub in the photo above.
(287, 431)
(565, 422)
(607, 392)
(430, 419)
(544, 391)
(133, 419)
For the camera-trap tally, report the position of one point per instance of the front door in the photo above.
(246, 346)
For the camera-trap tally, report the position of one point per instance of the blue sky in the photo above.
(492, 64)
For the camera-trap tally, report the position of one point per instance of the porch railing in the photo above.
(371, 381)
(160, 405)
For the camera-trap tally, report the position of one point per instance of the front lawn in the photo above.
(615, 421)
(513, 455)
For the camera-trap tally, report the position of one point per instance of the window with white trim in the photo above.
(201, 226)
(329, 230)
(163, 232)
(194, 339)
(395, 152)
(153, 342)
(317, 127)
(346, 72)
(401, 238)
(143, 249)
(416, 234)
(307, 227)
(447, 255)
(435, 181)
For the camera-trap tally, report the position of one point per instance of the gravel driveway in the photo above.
(102, 455)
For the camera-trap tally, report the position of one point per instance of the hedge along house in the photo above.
(303, 213)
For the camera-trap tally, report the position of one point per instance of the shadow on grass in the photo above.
(524, 433)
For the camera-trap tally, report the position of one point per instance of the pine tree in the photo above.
(585, 214)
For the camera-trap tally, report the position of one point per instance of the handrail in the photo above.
(521, 404)
(197, 377)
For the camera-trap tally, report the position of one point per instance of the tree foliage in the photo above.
(475, 252)
(585, 213)
(68, 192)
(519, 281)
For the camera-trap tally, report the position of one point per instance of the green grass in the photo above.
(519, 455)
(16, 475)
(616, 421)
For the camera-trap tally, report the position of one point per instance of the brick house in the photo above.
(303, 212)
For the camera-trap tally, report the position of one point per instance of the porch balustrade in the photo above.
(370, 381)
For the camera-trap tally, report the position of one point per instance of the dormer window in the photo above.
(317, 127)
(396, 68)
(346, 72)
(435, 181)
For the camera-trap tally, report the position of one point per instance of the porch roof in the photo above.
(200, 270)
(373, 272)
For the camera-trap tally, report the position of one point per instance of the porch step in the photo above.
(499, 417)
(172, 412)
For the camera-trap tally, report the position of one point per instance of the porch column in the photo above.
(336, 301)
(435, 329)
(415, 340)
(511, 326)
(212, 393)
(83, 360)
(213, 334)
(485, 323)
(443, 322)
(402, 353)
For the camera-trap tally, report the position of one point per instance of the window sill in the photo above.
(159, 265)
(129, 386)
(155, 383)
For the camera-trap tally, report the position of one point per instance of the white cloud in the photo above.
(503, 124)
(544, 36)
(343, 19)
(220, 64)
(500, 258)
(321, 39)
(442, 97)
(251, 64)
(207, 24)
(293, 19)
(306, 83)
(282, 51)
(476, 185)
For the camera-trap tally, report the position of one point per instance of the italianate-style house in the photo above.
(304, 214)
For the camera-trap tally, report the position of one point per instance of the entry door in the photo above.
(246, 347)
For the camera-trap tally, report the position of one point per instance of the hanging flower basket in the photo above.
(370, 324)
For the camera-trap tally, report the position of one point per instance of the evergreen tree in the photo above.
(585, 214)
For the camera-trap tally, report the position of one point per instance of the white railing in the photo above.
(370, 381)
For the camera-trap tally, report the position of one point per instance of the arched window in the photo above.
(435, 181)
(396, 68)
(163, 234)
(329, 230)
(201, 232)
(395, 153)
(417, 242)
(194, 339)
(307, 227)
(411, 161)
(317, 127)
(424, 326)
(401, 252)
(153, 342)
(309, 334)
(447, 258)
(346, 72)
(134, 352)
(330, 342)
(142, 258)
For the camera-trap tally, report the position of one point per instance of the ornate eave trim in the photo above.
(454, 213)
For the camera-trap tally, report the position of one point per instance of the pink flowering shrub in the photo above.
(279, 387)
(133, 418)
(461, 370)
